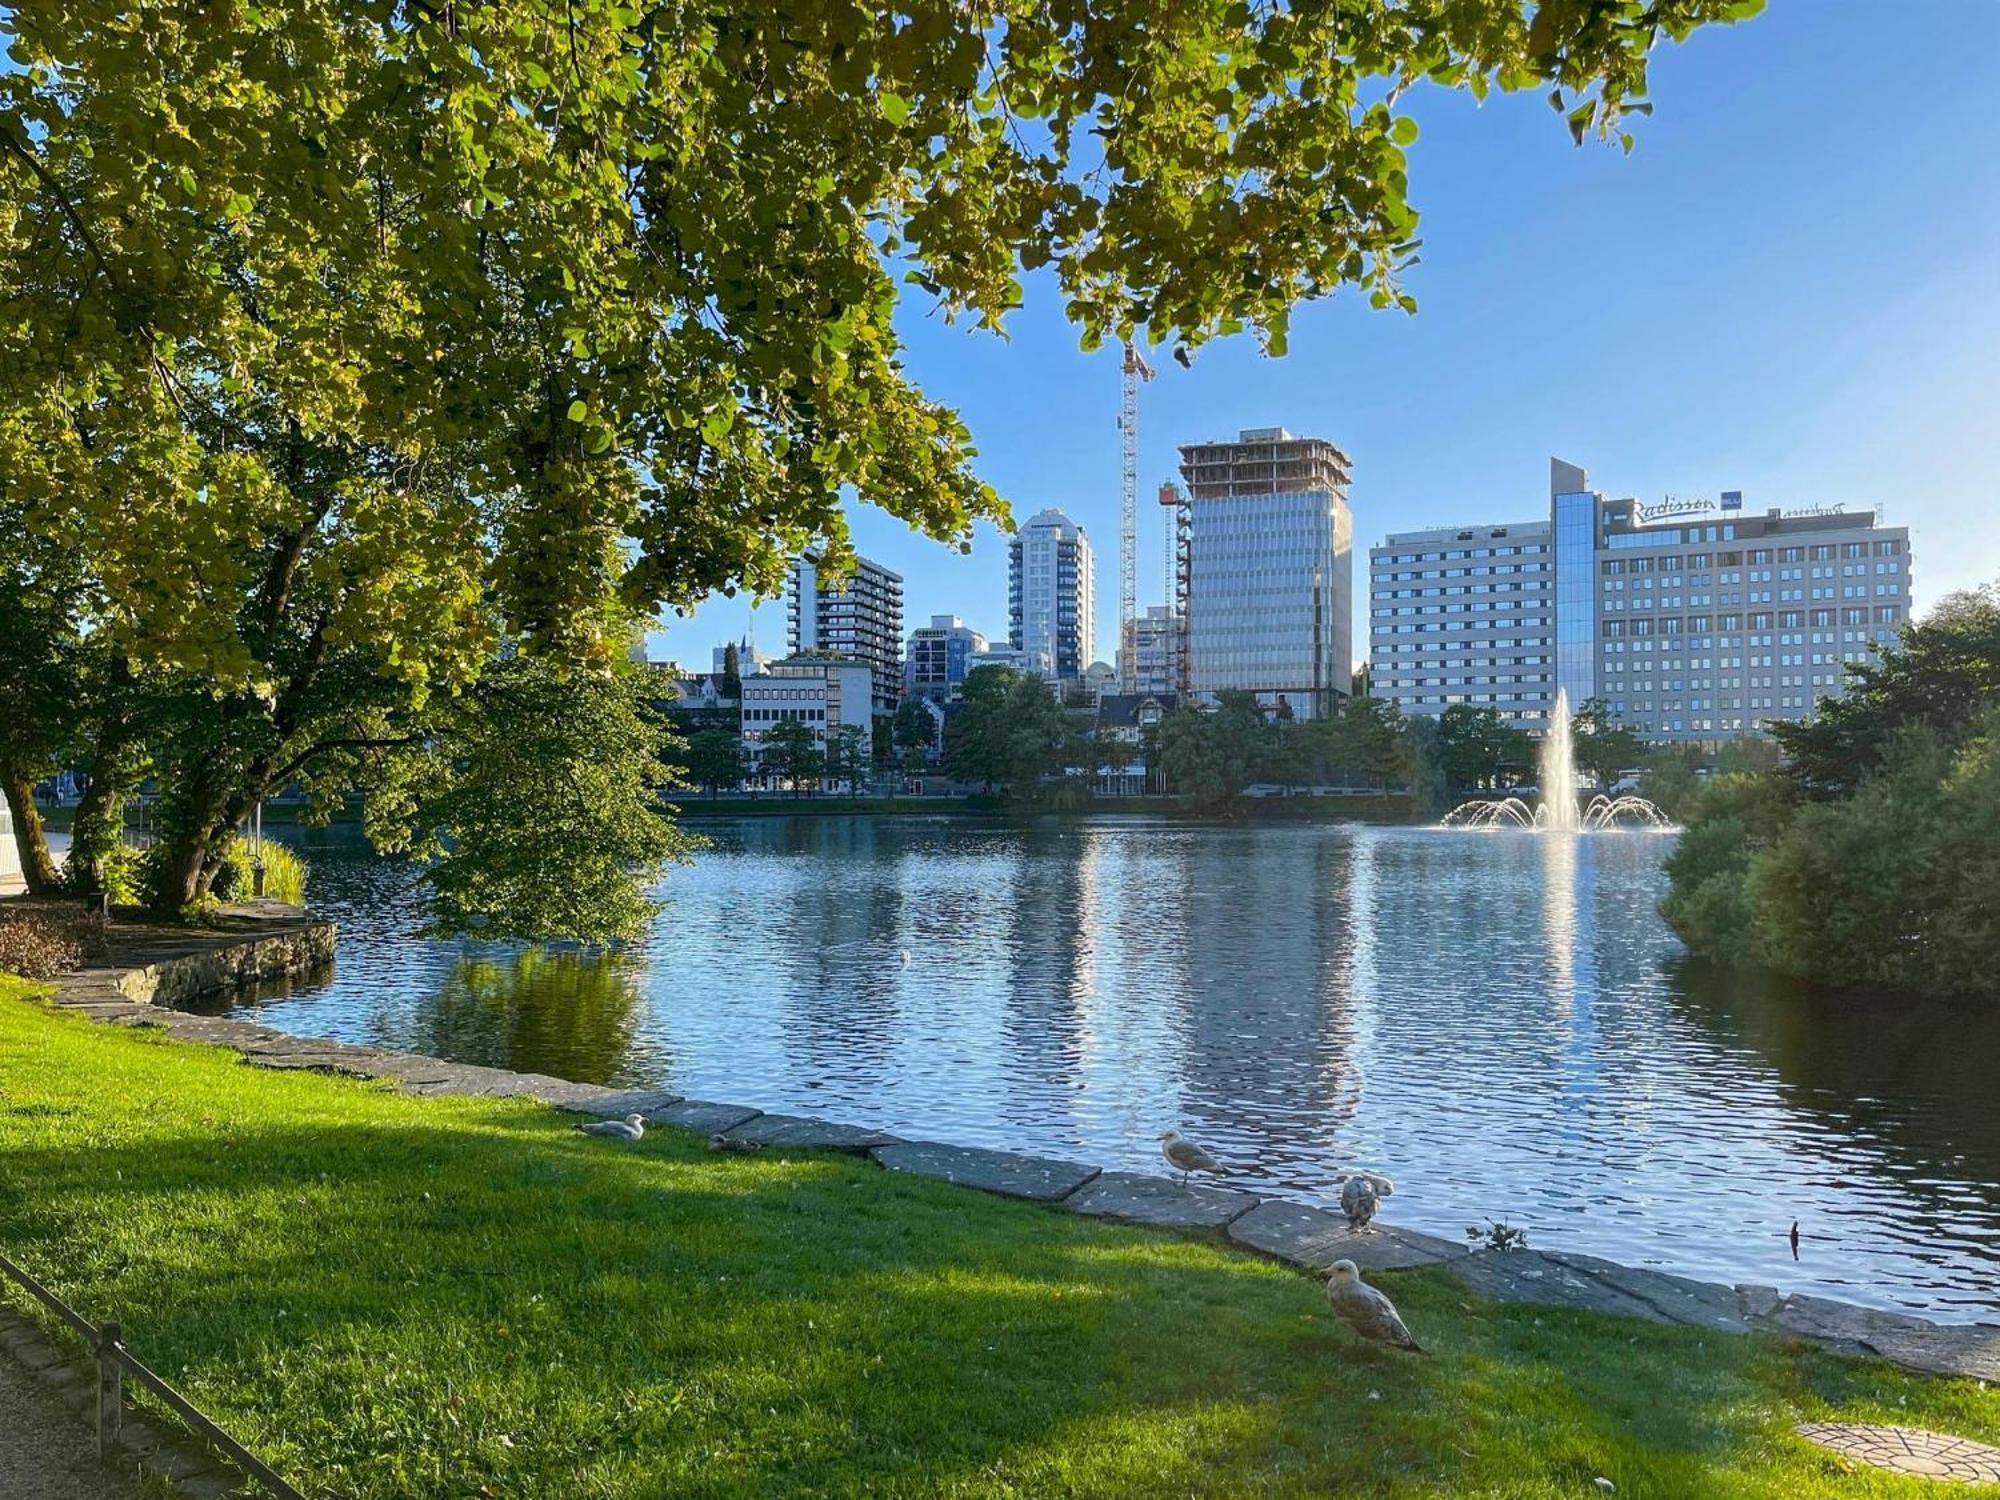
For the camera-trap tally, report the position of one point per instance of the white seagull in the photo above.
(1364, 1310)
(1361, 1195)
(1186, 1157)
(631, 1128)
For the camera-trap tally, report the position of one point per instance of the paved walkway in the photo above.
(46, 1451)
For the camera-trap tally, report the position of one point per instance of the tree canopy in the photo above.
(358, 349)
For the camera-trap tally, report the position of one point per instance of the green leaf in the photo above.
(895, 108)
(1405, 131)
(578, 410)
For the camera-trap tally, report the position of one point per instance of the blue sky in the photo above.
(1791, 287)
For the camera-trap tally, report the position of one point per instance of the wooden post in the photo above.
(110, 1391)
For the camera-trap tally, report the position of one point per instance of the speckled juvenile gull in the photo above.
(1361, 1195)
(1186, 1157)
(1364, 1310)
(631, 1128)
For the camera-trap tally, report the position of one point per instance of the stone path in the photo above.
(47, 1452)
(1308, 1238)
(1908, 1450)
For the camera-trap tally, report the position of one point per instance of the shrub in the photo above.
(284, 873)
(41, 942)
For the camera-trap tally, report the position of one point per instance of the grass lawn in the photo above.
(395, 1297)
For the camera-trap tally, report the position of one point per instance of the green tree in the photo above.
(1603, 747)
(847, 754)
(792, 754)
(1941, 673)
(910, 731)
(1672, 778)
(1479, 750)
(716, 759)
(1209, 755)
(419, 335)
(731, 684)
(537, 756)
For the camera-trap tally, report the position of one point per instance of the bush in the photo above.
(1894, 886)
(43, 941)
(284, 874)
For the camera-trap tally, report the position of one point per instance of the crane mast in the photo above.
(1135, 370)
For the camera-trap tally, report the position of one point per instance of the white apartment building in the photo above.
(860, 617)
(1464, 614)
(1270, 569)
(1051, 596)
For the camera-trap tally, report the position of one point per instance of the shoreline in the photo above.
(1299, 1235)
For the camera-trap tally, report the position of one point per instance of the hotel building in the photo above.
(1691, 620)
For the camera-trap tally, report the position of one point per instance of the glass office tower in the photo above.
(1573, 519)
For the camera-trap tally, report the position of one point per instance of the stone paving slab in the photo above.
(1315, 1239)
(701, 1115)
(1139, 1198)
(1967, 1352)
(1039, 1178)
(1530, 1276)
(310, 1062)
(807, 1134)
(552, 1090)
(1678, 1299)
(615, 1104)
(459, 1080)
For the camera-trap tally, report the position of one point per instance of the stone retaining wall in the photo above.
(1302, 1236)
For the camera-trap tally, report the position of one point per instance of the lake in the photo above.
(1501, 1022)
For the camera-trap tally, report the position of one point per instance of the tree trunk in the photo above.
(99, 826)
(38, 866)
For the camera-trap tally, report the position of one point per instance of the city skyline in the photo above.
(1772, 294)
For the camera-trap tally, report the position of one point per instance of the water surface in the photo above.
(1499, 1021)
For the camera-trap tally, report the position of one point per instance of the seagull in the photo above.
(906, 958)
(631, 1128)
(1186, 1157)
(1360, 1196)
(1364, 1310)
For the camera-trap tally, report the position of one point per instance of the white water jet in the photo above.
(1558, 766)
(1558, 811)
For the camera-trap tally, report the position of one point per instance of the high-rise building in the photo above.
(1051, 596)
(1270, 569)
(940, 655)
(1157, 641)
(1691, 620)
(861, 617)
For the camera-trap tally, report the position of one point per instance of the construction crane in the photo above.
(1135, 370)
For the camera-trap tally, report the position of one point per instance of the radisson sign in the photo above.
(1670, 507)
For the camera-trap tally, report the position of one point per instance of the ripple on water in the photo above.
(1502, 1022)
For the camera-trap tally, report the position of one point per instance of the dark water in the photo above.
(1500, 1021)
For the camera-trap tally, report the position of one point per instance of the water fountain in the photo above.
(1558, 811)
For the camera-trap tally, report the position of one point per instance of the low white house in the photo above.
(824, 693)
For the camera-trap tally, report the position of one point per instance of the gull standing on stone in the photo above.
(1186, 1157)
(631, 1128)
(1366, 1311)
(1361, 1195)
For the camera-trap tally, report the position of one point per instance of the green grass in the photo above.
(398, 1297)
